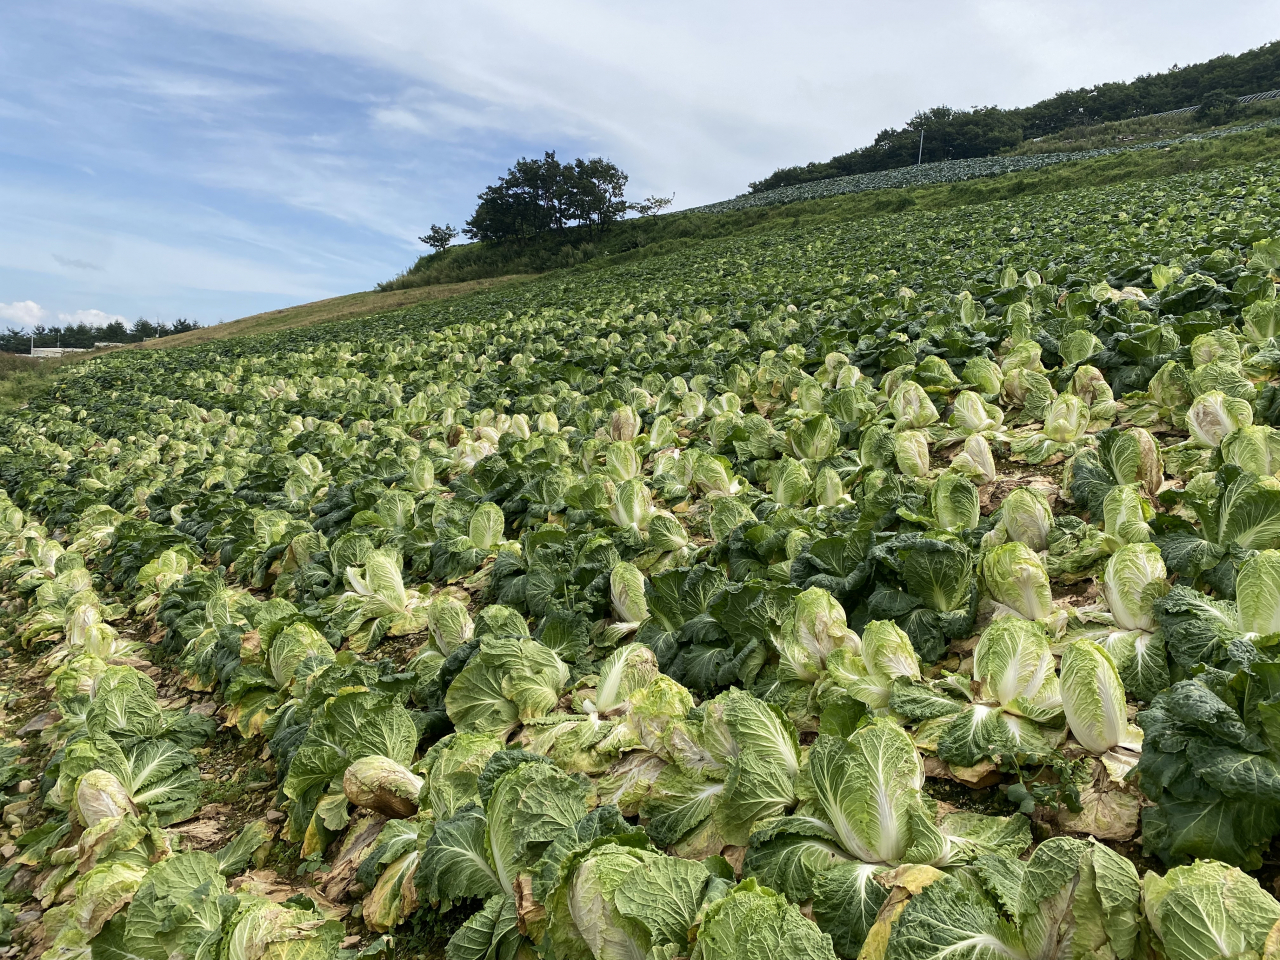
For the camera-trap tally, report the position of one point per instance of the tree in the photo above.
(540, 196)
(144, 329)
(521, 204)
(596, 191)
(1218, 106)
(651, 206)
(114, 332)
(439, 237)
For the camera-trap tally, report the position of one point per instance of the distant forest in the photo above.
(984, 131)
(84, 335)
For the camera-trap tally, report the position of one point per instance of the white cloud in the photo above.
(26, 313)
(94, 318)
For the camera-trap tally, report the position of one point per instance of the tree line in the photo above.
(548, 196)
(984, 131)
(84, 336)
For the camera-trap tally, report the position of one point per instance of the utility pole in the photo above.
(920, 155)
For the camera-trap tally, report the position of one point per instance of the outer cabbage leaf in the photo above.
(179, 909)
(950, 920)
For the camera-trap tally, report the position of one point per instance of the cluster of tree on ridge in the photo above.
(951, 134)
(84, 336)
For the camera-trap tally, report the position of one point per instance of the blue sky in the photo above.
(169, 158)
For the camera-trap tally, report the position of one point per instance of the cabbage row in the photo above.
(943, 171)
(857, 592)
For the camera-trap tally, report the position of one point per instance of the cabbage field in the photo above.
(901, 589)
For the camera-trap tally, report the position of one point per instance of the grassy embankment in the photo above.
(21, 377)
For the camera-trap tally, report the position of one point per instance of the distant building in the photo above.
(41, 353)
(99, 346)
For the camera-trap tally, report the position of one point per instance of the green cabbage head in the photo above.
(1213, 415)
(1024, 517)
(817, 627)
(1134, 580)
(1016, 578)
(1258, 593)
(1013, 664)
(1093, 699)
(955, 502)
(886, 655)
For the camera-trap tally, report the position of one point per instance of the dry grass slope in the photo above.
(325, 311)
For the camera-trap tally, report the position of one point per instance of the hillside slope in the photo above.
(937, 186)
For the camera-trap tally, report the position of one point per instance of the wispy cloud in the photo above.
(176, 85)
(74, 264)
